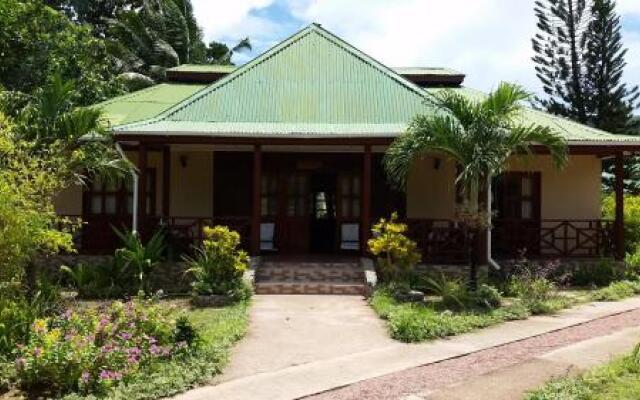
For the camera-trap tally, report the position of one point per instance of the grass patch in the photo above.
(619, 379)
(417, 322)
(617, 291)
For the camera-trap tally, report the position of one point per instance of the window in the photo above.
(110, 197)
(517, 196)
(349, 203)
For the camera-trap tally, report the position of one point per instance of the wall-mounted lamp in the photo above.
(183, 161)
(436, 163)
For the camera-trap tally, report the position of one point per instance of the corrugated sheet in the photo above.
(312, 84)
(311, 78)
(146, 103)
(570, 130)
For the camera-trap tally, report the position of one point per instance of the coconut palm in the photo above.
(480, 136)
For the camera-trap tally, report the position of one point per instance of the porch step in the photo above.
(310, 288)
(310, 277)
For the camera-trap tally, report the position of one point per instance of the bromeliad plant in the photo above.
(480, 136)
(219, 265)
(396, 254)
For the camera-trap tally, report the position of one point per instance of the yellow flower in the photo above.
(40, 325)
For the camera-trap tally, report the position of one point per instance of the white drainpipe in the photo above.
(134, 175)
(490, 260)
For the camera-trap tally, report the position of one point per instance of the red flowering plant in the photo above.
(91, 350)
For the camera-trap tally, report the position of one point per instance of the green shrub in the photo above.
(452, 291)
(617, 291)
(219, 265)
(141, 258)
(487, 296)
(396, 254)
(632, 264)
(92, 350)
(631, 218)
(600, 274)
(18, 311)
(533, 292)
(109, 280)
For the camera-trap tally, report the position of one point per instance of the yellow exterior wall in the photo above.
(573, 193)
(192, 185)
(431, 191)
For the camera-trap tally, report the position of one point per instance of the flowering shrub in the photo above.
(396, 253)
(219, 264)
(90, 350)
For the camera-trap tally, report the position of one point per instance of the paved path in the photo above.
(291, 330)
(504, 372)
(303, 345)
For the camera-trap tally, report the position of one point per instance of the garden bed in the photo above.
(433, 318)
(217, 330)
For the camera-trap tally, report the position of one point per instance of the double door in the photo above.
(307, 208)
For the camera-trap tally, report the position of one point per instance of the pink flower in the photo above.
(37, 351)
(84, 378)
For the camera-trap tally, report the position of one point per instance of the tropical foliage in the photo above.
(141, 259)
(219, 265)
(36, 41)
(481, 137)
(395, 253)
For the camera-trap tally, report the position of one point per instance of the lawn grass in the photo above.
(218, 328)
(619, 379)
(418, 322)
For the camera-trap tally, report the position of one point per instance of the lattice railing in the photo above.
(554, 238)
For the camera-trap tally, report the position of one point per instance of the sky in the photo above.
(488, 40)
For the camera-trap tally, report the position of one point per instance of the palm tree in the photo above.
(480, 136)
(220, 54)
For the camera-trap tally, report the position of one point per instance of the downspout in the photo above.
(490, 260)
(134, 175)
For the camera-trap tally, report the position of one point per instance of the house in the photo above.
(287, 150)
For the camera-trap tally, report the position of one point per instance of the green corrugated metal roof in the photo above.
(312, 82)
(570, 130)
(145, 103)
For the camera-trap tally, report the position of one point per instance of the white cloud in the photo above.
(629, 7)
(489, 40)
(229, 19)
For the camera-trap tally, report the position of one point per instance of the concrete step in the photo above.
(274, 287)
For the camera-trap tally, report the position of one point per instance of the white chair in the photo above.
(350, 236)
(267, 236)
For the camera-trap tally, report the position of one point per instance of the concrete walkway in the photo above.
(302, 345)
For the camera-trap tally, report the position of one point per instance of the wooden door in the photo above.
(518, 207)
(293, 221)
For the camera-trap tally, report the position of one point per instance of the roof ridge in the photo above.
(370, 60)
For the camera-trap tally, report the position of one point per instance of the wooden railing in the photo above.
(554, 238)
(440, 240)
(443, 241)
